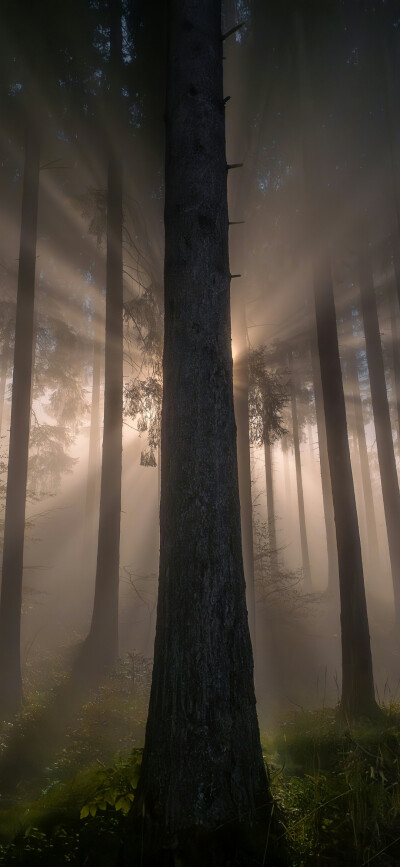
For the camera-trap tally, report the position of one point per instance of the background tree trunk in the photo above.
(93, 470)
(14, 524)
(269, 483)
(333, 577)
(4, 364)
(358, 693)
(102, 642)
(394, 330)
(305, 556)
(380, 406)
(241, 404)
(372, 533)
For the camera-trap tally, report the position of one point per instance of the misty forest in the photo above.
(200, 433)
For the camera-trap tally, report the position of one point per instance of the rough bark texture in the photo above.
(102, 644)
(14, 524)
(358, 694)
(202, 762)
(305, 556)
(241, 404)
(383, 429)
(333, 577)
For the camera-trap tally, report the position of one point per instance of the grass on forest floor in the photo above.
(337, 785)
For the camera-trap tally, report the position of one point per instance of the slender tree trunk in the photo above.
(241, 404)
(102, 643)
(394, 328)
(159, 475)
(372, 532)
(333, 577)
(305, 557)
(380, 406)
(286, 470)
(5, 356)
(202, 764)
(396, 264)
(269, 481)
(310, 441)
(357, 678)
(14, 525)
(358, 693)
(92, 485)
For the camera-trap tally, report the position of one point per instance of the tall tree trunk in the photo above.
(357, 678)
(269, 482)
(305, 557)
(358, 693)
(310, 440)
(394, 329)
(5, 357)
(372, 532)
(202, 764)
(286, 469)
(333, 577)
(92, 485)
(101, 647)
(14, 524)
(241, 404)
(380, 406)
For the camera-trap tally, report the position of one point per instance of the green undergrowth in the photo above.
(72, 810)
(81, 813)
(336, 785)
(338, 788)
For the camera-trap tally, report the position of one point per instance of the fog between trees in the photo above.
(312, 139)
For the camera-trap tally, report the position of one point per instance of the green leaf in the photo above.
(123, 804)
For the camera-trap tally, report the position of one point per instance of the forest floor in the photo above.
(337, 785)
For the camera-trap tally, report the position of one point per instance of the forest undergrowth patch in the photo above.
(337, 785)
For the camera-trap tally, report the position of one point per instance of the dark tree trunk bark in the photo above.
(202, 763)
(101, 647)
(370, 520)
(14, 524)
(333, 576)
(241, 404)
(358, 693)
(269, 483)
(305, 557)
(383, 429)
